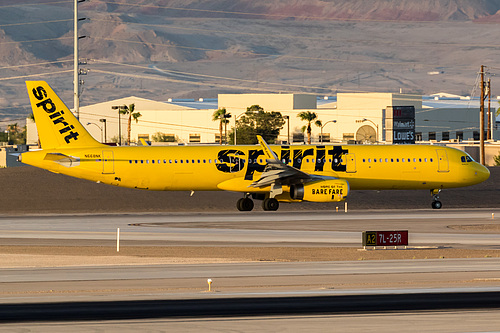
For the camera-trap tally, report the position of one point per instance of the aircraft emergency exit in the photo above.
(316, 173)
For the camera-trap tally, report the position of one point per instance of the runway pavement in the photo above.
(473, 228)
(333, 229)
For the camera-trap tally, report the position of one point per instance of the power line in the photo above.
(36, 4)
(31, 23)
(32, 75)
(267, 15)
(37, 64)
(36, 40)
(323, 38)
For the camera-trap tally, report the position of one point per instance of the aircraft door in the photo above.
(108, 166)
(443, 163)
(350, 163)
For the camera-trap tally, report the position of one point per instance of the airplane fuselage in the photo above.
(207, 168)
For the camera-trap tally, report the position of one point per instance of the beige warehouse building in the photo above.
(351, 118)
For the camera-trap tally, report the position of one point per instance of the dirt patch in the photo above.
(493, 228)
(35, 191)
(51, 256)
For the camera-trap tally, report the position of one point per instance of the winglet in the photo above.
(267, 150)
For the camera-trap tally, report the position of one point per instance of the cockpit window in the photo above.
(466, 159)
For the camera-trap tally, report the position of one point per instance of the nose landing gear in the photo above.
(436, 204)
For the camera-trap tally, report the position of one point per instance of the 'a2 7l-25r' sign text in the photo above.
(385, 238)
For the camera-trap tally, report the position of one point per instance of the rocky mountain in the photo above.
(195, 48)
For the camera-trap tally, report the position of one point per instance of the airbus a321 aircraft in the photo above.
(322, 173)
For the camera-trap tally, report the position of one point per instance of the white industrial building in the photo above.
(348, 118)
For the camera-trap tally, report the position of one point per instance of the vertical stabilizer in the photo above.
(57, 126)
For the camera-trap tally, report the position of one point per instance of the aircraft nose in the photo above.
(481, 173)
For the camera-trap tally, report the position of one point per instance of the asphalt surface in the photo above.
(289, 293)
(34, 191)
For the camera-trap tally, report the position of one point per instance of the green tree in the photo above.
(309, 117)
(497, 160)
(222, 116)
(131, 115)
(16, 135)
(255, 122)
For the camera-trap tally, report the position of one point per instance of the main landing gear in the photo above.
(270, 204)
(436, 204)
(246, 204)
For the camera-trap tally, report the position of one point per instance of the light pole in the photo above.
(248, 111)
(376, 126)
(287, 118)
(103, 120)
(98, 127)
(119, 108)
(329, 121)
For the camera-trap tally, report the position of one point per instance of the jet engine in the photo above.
(331, 190)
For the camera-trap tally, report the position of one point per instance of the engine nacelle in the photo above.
(321, 191)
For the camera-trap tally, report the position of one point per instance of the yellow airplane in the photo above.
(322, 173)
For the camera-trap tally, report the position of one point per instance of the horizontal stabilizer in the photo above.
(64, 160)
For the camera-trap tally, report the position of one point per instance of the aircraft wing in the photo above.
(277, 172)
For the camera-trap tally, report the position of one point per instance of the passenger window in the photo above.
(402, 160)
(392, 160)
(369, 160)
(431, 159)
(386, 160)
(187, 161)
(130, 161)
(397, 159)
(204, 161)
(425, 160)
(363, 160)
(420, 160)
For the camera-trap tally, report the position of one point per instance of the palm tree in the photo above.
(309, 117)
(221, 115)
(131, 114)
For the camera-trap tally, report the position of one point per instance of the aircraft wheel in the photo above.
(270, 204)
(244, 204)
(437, 204)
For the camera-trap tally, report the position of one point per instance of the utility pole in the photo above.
(481, 119)
(76, 70)
(76, 83)
(488, 134)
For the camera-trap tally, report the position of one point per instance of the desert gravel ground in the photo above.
(28, 190)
